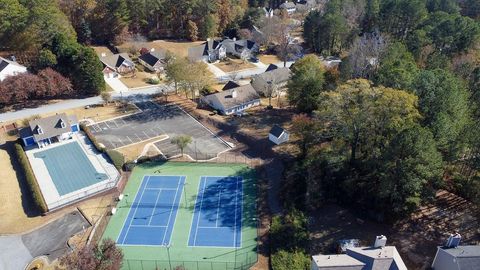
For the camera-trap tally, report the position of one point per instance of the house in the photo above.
(452, 256)
(153, 60)
(272, 81)
(214, 50)
(305, 5)
(278, 135)
(10, 68)
(268, 12)
(377, 257)
(116, 64)
(243, 48)
(44, 131)
(233, 99)
(209, 51)
(290, 7)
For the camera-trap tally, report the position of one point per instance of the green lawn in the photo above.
(156, 257)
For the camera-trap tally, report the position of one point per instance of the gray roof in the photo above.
(5, 62)
(239, 45)
(116, 60)
(337, 261)
(276, 131)
(230, 85)
(152, 58)
(287, 5)
(244, 94)
(381, 258)
(467, 257)
(51, 126)
(278, 75)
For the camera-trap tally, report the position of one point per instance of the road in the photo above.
(133, 94)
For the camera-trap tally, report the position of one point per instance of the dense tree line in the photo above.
(401, 122)
(112, 21)
(40, 27)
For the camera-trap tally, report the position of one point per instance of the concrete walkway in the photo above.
(132, 94)
(117, 85)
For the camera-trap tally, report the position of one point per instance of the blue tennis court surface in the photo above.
(217, 218)
(69, 168)
(152, 215)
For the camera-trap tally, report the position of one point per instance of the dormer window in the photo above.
(39, 130)
(62, 124)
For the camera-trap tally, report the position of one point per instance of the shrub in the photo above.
(30, 177)
(289, 232)
(117, 158)
(92, 138)
(153, 81)
(295, 260)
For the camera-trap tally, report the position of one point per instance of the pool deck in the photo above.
(49, 191)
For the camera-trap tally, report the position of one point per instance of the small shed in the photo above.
(278, 135)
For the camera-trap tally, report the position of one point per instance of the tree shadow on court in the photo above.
(29, 207)
(225, 213)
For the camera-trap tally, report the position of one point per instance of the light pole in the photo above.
(168, 254)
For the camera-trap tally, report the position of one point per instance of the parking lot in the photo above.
(155, 120)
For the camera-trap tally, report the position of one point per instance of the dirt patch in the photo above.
(140, 79)
(232, 65)
(179, 48)
(269, 59)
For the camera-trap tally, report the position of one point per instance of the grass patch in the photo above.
(31, 180)
(117, 158)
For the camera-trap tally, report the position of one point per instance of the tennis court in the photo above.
(205, 213)
(210, 228)
(153, 213)
(69, 168)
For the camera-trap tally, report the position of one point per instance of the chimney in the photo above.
(234, 39)
(104, 54)
(208, 39)
(234, 94)
(152, 49)
(453, 240)
(380, 241)
(13, 58)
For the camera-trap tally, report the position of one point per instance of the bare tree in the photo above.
(181, 142)
(106, 97)
(364, 55)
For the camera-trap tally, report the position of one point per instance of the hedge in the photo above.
(92, 138)
(290, 260)
(31, 180)
(117, 158)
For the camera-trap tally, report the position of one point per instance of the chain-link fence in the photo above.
(242, 262)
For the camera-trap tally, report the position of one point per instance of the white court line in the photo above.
(161, 188)
(199, 212)
(135, 212)
(155, 207)
(147, 226)
(171, 210)
(218, 206)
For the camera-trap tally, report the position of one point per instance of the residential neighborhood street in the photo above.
(139, 94)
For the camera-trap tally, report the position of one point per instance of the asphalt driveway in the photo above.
(16, 251)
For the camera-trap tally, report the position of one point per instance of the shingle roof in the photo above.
(467, 257)
(337, 261)
(287, 5)
(271, 67)
(196, 52)
(116, 60)
(276, 131)
(382, 258)
(152, 58)
(230, 85)
(5, 62)
(51, 126)
(277, 75)
(244, 94)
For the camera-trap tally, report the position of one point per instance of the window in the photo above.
(62, 124)
(39, 130)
